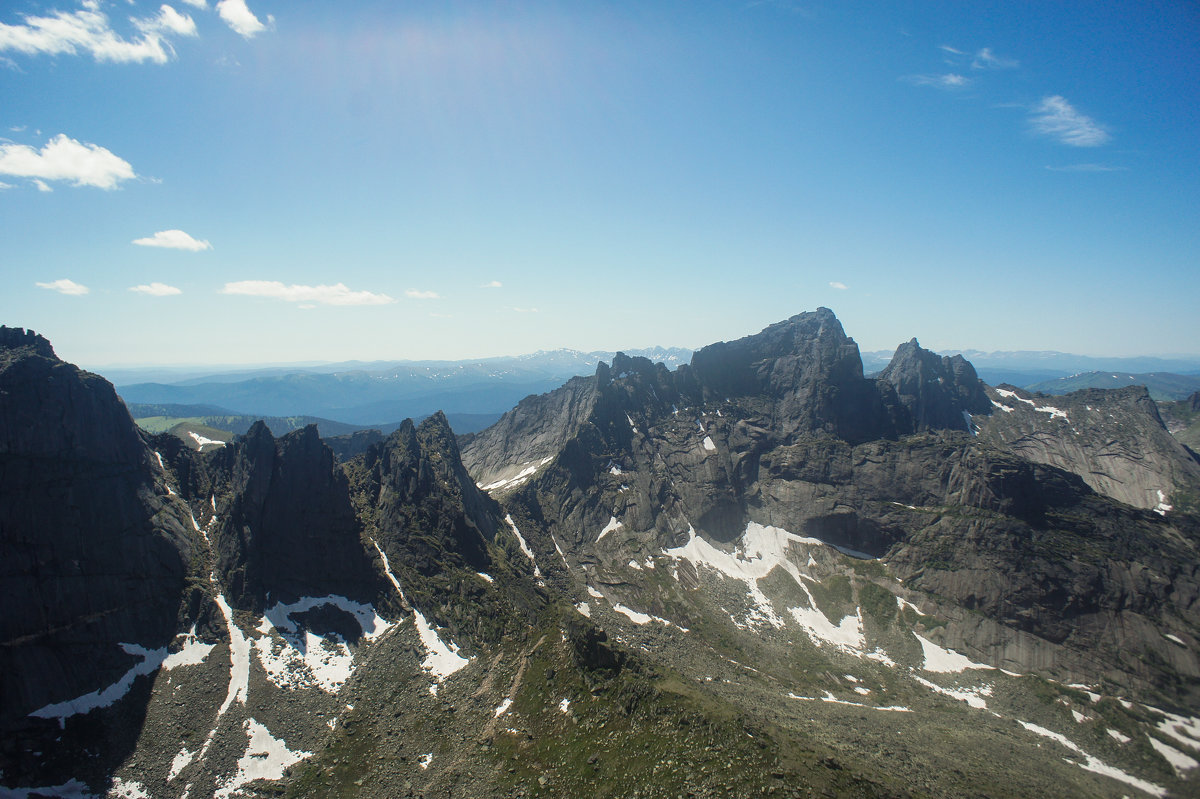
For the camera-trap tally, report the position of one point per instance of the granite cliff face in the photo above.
(1113, 439)
(94, 550)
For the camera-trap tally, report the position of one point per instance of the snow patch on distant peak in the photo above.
(202, 441)
(709, 445)
(1162, 508)
(522, 543)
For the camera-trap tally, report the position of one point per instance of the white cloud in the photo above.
(42, 186)
(986, 59)
(525, 310)
(952, 50)
(156, 289)
(836, 284)
(197, 3)
(63, 158)
(1058, 119)
(174, 240)
(492, 284)
(336, 294)
(168, 21)
(4, 186)
(950, 81)
(64, 286)
(240, 18)
(417, 294)
(89, 31)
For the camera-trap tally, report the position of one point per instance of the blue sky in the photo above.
(252, 181)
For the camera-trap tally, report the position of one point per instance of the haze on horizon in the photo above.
(252, 181)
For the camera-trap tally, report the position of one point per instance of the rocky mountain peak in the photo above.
(288, 529)
(16, 338)
(937, 391)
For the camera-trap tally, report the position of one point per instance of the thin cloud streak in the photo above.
(837, 284)
(156, 289)
(986, 59)
(1058, 119)
(337, 294)
(65, 286)
(949, 82)
(417, 294)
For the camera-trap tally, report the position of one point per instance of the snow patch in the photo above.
(127, 790)
(1095, 765)
(529, 470)
(564, 705)
(846, 636)
(201, 440)
(828, 697)
(502, 708)
(487, 577)
(158, 455)
(613, 524)
(945, 661)
(239, 670)
(632, 615)
(1120, 736)
(972, 696)
(1178, 760)
(266, 758)
(709, 445)
(1162, 508)
(192, 653)
(151, 659)
(583, 609)
(441, 660)
(425, 760)
(180, 762)
(524, 546)
(1002, 406)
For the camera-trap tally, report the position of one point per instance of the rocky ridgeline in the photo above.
(782, 429)
(760, 573)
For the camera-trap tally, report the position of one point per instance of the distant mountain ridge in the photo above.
(386, 392)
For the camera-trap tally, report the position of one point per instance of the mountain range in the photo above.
(760, 572)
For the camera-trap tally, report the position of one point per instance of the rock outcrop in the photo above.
(1114, 439)
(94, 549)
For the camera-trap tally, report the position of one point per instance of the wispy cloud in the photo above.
(492, 284)
(837, 284)
(173, 240)
(89, 31)
(1087, 168)
(64, 158)
(337, 294)
(42, 186)
(156, 289)
(240, 18)
(952, 50)
(524, 310)
(986, 59)
(950, 81)
(1058, 119)
(417, 294)
(197, 3)
(64, 286)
